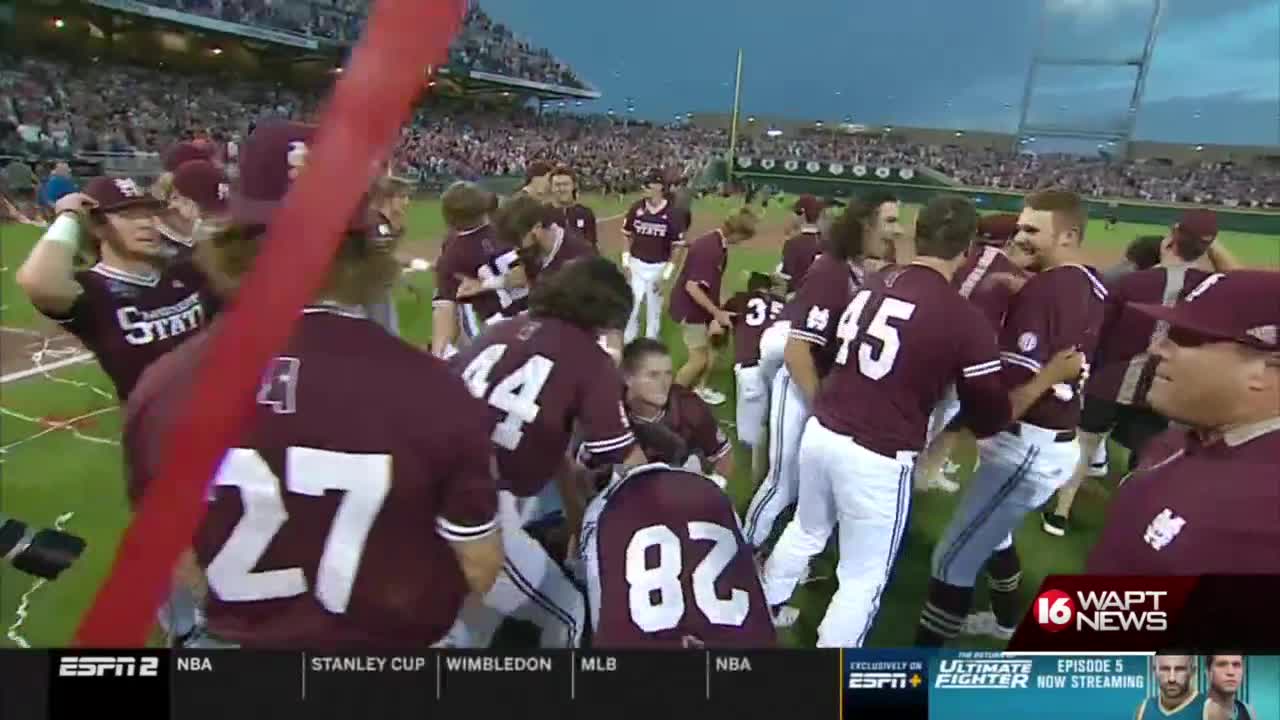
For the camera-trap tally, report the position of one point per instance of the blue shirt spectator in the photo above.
(58, 185)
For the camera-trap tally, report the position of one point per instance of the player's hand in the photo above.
(77, 203)
(1009, 281)
(723, 318)
(1065, 366)
(469, 286)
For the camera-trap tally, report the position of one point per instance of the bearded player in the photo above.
(665, 561)
(1059, 309)
(1174, 674)
(652, 246)
(811, 320)
(542, 374)
(653, 398)
(345, 468)
(903, 338)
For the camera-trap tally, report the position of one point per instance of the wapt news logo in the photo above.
(1102, 611)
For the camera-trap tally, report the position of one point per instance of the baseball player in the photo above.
(666, 564)
(1206, 504)
(803, 245)
(177, 226)
(470, 249)
(752, 311)
(542, 374)
(695, 300)
(537, 184)
(571, 214)
(811, 317)
(345, 468)
(1115, 396)
(973, 281)
(197, 197)
(1059, 309)
(1175, 675)
(901, 340)
(390, 198)
(652, 397)
(653, 242)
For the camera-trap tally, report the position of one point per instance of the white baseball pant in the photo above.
(753, 402)
(1016, 475)
(646, 288)
(943, 413)
(868, 496)
(531, 587)
(788, 413)
(773, 347)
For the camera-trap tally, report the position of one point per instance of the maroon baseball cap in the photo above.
(537, 169)
(809, 207)
(655, 177)
(997, 229)
(1241, 306)
(119, 193)
(186, 151)
(1202, 223)
(271, 158)
(205, 184)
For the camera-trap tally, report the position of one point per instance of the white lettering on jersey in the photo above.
(651, 229)
(142, 327)
(1163, 529)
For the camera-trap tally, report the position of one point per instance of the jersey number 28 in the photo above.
(656, 593)
(870, 363)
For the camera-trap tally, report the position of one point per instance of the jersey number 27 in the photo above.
(656, 594)
(870, 363)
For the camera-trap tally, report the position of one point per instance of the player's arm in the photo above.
(628, 234)
(798, 357)
(47, 276)
(1222, 259)
(468, 514)
(709, 439)
(589, 227)
(444, 316)
(985, 402)
(1065, 366)
(573, 490)
(607, 438)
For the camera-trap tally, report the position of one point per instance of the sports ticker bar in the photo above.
(901, 684)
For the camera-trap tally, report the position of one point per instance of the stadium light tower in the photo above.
(1119, 135)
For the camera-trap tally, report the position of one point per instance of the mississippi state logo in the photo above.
(1027, 342)
(1054, 611)
(297, 158)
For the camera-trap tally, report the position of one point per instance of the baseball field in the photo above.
(60, 425)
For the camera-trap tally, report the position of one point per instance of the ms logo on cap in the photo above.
(297, 158)
(128, 187)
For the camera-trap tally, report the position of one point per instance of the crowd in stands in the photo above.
(483, 43)
(51, 110)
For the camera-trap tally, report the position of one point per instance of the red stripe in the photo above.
(359, 125)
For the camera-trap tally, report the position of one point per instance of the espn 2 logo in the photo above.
(1102, 611)
(883, 680)
(108, 666)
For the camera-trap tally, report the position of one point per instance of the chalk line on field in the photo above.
(55, 425)
(24, 602)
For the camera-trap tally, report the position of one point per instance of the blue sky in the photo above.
(1215, 75)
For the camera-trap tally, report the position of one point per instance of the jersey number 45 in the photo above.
(870, 363)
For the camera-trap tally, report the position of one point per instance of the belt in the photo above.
(1060, 436)
(751, 364)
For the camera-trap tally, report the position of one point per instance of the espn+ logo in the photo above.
(1102, 611)
(108, 666)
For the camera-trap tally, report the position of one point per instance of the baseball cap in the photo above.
(204, 183)
(809, 207)
(118, 193)
(1200, 222)
(537, 168)
(655, 177)
(186, 151)
(997, 229)
(271, 158)
(1241, 306)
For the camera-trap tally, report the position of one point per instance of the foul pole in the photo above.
(733, 123)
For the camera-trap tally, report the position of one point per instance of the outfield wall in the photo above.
(825, 179)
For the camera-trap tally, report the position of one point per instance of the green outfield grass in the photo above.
(49, 472)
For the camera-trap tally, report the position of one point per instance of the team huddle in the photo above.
(545, 461)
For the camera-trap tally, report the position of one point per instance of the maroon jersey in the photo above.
(1209, 508)
(569, 246)
(704, 265)
(753, 312)
(1123, 369)
(827, 289)
(901, 342)
(580, 219)
(667, 566)
(798, 253)
(540, 377)
(129, 320)
(1057, 309)
(477, 253)
(991, 298)
(346, 470)
(653, 231)
(689, 416)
